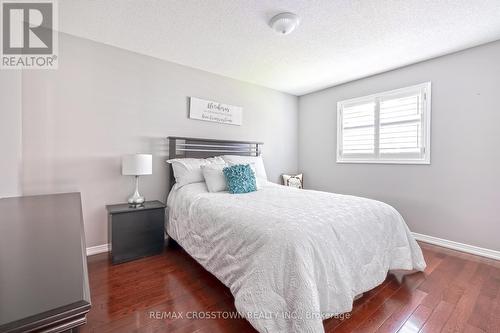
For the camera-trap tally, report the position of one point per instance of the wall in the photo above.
(104, 102)
(457, 197)
(10, 133)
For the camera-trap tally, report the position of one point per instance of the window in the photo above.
(389, 127)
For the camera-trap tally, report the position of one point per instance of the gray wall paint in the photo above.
(10, 133)
(457, 197)
(104, 102)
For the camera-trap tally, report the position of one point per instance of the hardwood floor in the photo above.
(457, 293)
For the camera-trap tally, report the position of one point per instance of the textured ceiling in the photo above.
(337, 40)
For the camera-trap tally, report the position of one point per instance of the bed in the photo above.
(290, 257)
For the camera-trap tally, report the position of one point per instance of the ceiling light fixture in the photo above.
(284, 23)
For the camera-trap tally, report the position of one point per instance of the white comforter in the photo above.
(291, 256)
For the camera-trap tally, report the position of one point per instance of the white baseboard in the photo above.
(97, 249)
(102, 248)
(479, 251)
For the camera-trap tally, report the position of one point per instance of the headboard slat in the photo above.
(217, 150)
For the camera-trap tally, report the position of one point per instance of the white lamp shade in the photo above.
(137, 164)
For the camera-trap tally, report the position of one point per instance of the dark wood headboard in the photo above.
(181, 147)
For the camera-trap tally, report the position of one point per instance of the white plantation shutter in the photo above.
(390, 127)
(401, 124)
(358, 131)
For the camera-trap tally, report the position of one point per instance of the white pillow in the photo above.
(188, 170)
(256, 161)
(214, 177)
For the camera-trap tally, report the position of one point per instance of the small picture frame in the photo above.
(296, 181)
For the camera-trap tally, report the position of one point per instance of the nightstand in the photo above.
(135, 232)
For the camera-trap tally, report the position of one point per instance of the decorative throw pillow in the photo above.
(240, 178)
(258, 181)
(293, 181)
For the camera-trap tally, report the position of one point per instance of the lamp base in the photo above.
(136, 200)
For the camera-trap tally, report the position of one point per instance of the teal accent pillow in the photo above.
(240, 178)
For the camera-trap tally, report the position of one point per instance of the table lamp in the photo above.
(137, 165)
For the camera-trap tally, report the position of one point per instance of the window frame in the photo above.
(425, 90)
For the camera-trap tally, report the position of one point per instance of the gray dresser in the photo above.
(43, 264)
